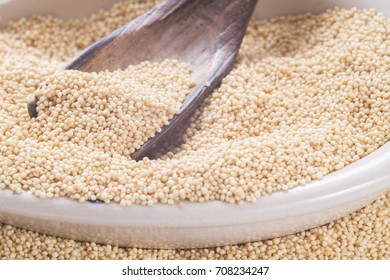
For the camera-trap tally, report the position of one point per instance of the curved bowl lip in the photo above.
(338, 188)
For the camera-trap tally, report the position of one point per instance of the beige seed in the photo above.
(308, 95)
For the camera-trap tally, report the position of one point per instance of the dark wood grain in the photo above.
(205, 34)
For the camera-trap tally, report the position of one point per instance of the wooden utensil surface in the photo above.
(204, 34)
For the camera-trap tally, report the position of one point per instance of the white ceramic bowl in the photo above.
(208, 224)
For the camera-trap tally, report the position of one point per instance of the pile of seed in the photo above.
(361, 235)
(308, 95)
(109, 112)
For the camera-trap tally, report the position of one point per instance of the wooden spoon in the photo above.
(205, 34)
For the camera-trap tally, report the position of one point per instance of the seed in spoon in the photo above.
(114, 112)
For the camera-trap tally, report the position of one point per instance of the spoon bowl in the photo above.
(206, 35)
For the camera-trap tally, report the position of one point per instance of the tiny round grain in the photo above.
(308, 95)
